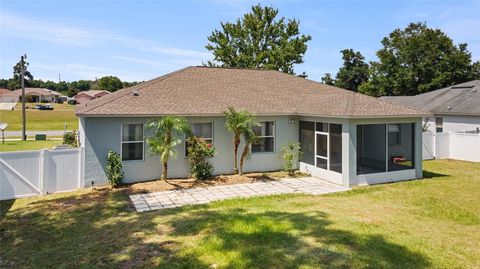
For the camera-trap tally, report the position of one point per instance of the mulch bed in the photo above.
(182, 183)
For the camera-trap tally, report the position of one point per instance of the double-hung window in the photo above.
(266, 137)
(203, 130)
(132, 142)
(439, 124)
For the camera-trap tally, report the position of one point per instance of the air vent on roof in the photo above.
(135, 93)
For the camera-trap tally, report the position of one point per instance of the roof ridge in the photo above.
(236, 68)
(126, 91)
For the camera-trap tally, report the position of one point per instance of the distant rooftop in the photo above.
(460, 99)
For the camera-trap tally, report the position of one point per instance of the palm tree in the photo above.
(250, 138)
(168, 133)
(237, 122)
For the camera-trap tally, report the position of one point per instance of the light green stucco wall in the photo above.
(103, 134)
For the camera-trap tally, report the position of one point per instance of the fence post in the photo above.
(81, 168)
(41, 173)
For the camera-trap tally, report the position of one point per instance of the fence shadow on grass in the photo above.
(96, 230)
(5, 206)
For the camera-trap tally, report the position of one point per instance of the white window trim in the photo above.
(130, 142)
(212, 138)
(266, 136)
(328, 147)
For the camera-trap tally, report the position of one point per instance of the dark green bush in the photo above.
(114, 169)
(70, 138)
(291, 156)
(198, 151)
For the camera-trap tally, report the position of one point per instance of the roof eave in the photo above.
(256, 114)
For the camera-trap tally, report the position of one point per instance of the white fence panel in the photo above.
(459, 146)
(29, 173)
(465, 147)
(62, 170)
(19, 174)
(428, 149)
(442, 145)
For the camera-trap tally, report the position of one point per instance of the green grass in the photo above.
(431, 223)
(41, 120)
(28, 145)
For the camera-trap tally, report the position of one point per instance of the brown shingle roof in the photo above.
(6, 92)
(460, 99)
(41, 91)
(210, 91)
(93, 93)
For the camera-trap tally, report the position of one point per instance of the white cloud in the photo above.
(180, 52)
(79, 35)
(79, 71)
(48, 30)
(141, 61)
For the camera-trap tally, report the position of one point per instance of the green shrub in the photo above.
(114, 169)
(291, 156)
(198, 151)
(70, 138)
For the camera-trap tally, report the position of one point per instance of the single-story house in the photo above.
(454, 109)
(37, 95)
(346, 137)
(8, 99)
(86, 96)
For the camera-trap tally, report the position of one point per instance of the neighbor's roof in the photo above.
(6, 92)
(210, 91)
(93, 93)
(460, 99)
(39, 91)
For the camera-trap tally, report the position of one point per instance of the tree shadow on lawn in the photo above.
(97, 230)
(289, 240)
(93, 230)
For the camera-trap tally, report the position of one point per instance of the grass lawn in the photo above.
(42, 120)
(431, 223)
(28, 145)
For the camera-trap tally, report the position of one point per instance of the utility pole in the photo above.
(24, 116)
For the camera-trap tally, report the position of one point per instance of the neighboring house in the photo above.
(8, 99)
(87, 96)
(346, 137)
(454, 109)
(454, 129)
(37, 95)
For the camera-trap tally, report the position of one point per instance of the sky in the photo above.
(143, 39)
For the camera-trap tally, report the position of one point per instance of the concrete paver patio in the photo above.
(177, 198)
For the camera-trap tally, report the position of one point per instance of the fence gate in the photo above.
(30, 173)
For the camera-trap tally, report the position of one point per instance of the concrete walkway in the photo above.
(177, 198)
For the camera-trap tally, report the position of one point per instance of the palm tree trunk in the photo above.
(168, 138)
(165, 169)
(243, 157)
(236, 142)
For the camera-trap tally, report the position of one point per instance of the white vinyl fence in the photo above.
(30, 173)
(459, 146)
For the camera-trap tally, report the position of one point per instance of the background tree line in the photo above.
(412, 60)
(107, 83)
